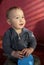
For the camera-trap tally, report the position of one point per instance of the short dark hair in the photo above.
(10, 9)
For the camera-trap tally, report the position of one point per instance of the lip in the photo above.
(20, 24)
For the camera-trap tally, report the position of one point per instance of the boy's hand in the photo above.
(27, 51)
(17, 54)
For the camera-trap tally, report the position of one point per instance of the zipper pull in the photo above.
(19, 38)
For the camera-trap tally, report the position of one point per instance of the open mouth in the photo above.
(21, 24)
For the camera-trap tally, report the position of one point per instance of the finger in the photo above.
(19, 52)
(24, 51)
(21, 56)
(27, 54)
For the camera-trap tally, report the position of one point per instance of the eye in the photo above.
(23, 17)
(17, 17)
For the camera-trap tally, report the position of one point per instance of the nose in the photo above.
(21, 20)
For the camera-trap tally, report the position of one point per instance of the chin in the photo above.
(21, 27)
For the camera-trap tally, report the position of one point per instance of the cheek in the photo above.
(16, 23)
(24, 22)
(13, 21)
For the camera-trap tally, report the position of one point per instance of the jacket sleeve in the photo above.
(7, 44)
(32, 40)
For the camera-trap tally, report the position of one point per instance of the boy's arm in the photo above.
(7, 45)
(7, 48)
(31, 45)
(32, 41)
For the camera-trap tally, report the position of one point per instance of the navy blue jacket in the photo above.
(11, 41)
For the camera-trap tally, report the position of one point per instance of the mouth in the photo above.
(20, 24)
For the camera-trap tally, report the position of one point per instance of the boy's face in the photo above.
(16, 18)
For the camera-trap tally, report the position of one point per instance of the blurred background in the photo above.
(34, 15)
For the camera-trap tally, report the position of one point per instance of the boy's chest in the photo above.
(19, 42)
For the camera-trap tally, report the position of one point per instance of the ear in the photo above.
(8, 21)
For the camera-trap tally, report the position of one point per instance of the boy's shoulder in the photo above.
(8, 31)
(27, 30)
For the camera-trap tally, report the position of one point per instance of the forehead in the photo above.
(16, 12)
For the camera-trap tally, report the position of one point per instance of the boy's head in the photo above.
(15, 17)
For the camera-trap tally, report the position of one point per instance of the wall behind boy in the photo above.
(33, 9)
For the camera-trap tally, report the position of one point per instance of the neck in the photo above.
(18, 31)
